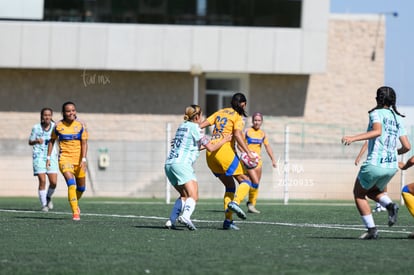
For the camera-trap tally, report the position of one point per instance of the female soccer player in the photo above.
(408, 191)
(385, 128)
(72, 137)
(224, 163)
(378, 207)
(178, 167)
(255, 138)
(39, 139)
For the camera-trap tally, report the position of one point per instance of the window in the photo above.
(263, 13)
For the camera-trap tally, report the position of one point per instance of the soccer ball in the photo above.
(249, 163)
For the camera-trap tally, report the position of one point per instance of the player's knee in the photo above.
(70, 182)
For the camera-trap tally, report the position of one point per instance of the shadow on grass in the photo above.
(356, 238)
(160, 227)
(40, 218)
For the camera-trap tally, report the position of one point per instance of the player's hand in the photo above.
(83, 165)
(347, 140)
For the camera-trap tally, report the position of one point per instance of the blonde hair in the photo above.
(191, 111)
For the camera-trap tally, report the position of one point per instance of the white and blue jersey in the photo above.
(382, 151)
(40, 150)
(185, 149)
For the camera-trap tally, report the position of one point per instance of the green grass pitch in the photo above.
(127, 236)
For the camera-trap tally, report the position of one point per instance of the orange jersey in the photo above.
(70, 136)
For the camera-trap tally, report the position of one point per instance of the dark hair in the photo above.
(235, 103)
(64, 106)
(386, 97)
(42, 112)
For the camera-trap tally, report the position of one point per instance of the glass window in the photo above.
(263, 13)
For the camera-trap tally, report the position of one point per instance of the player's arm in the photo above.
(405, 145)
(84, 145)
(244, 140)
(204, 124)
(408, 164)
(50, 149)
(361, 152)
(33, 140)
(374, 133)
(238, 135)
(269, 151)
(213, 147)
(36, 141)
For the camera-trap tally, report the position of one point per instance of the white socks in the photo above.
(42, 197)
(189, 208)
(368, 220)
(385, 200)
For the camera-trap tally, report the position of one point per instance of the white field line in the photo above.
(308, 225)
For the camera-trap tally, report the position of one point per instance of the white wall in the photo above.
(169, 47)
(21, 9)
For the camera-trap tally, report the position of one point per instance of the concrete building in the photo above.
(130, 79)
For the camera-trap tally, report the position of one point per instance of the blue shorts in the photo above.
(39, 166)
(370, 175)
(179, 174)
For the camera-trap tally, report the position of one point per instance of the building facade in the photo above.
(130, 79)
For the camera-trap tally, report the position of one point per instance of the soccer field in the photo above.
(127, 236)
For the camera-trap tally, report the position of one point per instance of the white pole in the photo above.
(167, 182)
(195, 96)
(286, 168)
(402, 183)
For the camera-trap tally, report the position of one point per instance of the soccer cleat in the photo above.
(371, 234)
(392, 209)
(187, 222)
(411, 235)
(251, 208)
(76, 216)
(169, 225)
(236, 209)
(49, 203)
(45, 209)
(229, 225)
(379, 208)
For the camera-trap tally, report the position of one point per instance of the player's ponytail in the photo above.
(191, 112)
(236, 100)
(386, 96)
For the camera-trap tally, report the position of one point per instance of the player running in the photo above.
(385, 128)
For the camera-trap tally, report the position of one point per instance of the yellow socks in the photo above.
(228, 197)
(242, 192)
(253, 194)
(72, 198)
